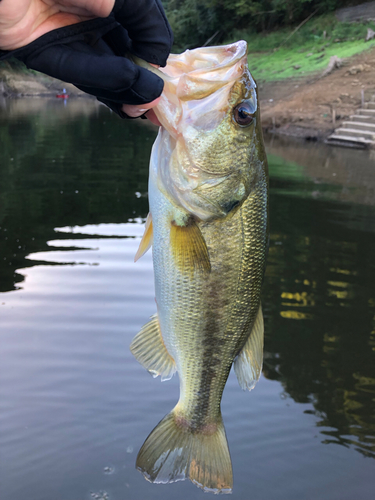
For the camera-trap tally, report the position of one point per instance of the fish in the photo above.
(208, 228)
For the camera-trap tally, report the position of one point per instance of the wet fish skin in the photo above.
(209, 315)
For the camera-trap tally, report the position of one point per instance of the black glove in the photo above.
(93, 55)
(148, 29)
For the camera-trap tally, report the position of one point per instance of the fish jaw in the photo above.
(205, 156)
(203, 193)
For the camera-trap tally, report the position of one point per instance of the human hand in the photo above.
(23, 21)
(91, 52)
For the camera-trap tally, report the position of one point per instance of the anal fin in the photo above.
(149, 349)
(248, 364)
(147, 238)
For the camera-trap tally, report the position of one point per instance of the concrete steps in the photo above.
(358, 131)
(367, 112)
(362, 118)
(355, 133)
(349, 142)
(354, 125)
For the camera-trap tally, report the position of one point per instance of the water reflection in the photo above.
(67, 173)
(60, 167)
(349, 173)
(320, 295)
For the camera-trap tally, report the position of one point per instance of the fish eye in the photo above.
(242, 113)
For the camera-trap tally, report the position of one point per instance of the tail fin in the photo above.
(173, 452)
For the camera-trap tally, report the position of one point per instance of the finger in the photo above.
(134, 110)
(100, 8)
(153, 118)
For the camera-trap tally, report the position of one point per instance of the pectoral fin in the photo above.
(248, 364)
(189, 248)
(146, 241)
(149, 349)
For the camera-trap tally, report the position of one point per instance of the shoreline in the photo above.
(16, 83)
(313, 107)
(309, 108)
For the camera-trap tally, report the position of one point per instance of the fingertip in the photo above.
(135, 110)
(153, 118)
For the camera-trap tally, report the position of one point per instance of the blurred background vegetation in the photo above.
(286, 38)
(195, 22)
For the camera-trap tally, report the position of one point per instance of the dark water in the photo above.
(76, 407)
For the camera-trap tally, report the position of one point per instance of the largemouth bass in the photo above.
(208, 225)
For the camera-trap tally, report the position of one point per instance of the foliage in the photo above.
(12, 63)
(279, 46)
(193, 21)
(196, 21)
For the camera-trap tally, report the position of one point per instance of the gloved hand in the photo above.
(93, 55)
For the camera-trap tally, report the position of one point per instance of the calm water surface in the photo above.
(76, 407)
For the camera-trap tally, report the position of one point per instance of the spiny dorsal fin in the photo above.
(173, 452)
(248, 364)
(148, 348)
(189, 248)
(146, 241)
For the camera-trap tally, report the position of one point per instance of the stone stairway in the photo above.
(358, 131)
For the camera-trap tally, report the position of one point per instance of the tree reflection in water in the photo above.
(63, 167)
(321, 317)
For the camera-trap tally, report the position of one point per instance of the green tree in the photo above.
(195, 22)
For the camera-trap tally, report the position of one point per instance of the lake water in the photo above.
(75, 405)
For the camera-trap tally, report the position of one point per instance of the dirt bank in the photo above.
(306, 107)
(303, 107)
(23, 83)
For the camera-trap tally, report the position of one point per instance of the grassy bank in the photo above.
(288, 53)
